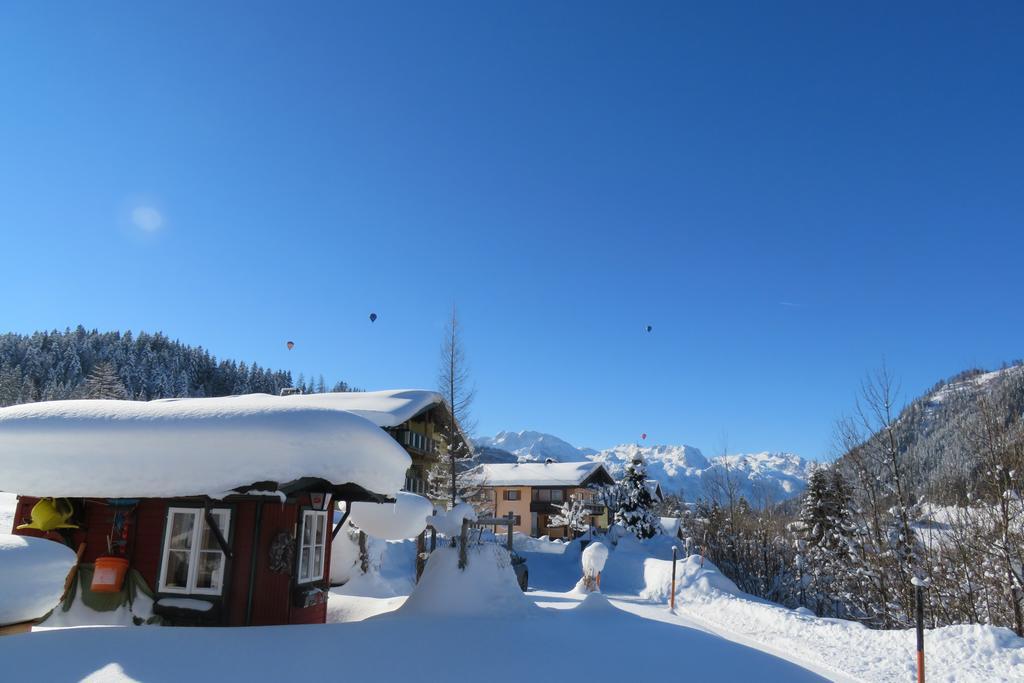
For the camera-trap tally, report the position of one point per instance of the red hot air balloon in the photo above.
(291, 345)
(644, 436)
(373, 317)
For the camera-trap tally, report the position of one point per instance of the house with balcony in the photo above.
(533, 491)
(414, 418)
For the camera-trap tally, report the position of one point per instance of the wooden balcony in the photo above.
(416, 442)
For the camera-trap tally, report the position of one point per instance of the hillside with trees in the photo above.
(927, 492)
(84, 363)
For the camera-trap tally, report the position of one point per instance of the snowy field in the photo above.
(552, 633)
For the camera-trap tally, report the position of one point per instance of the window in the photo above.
(312, 542)
(413, 482)
(512, 495)
(193, 561)
(542, 495)
(517, 520)
(556, 495)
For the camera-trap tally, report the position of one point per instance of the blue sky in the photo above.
(787, 192)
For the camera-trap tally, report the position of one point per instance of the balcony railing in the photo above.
(420, 443)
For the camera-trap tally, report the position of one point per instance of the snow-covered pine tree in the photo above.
(574, 514)
(636, 511)
(103, 382)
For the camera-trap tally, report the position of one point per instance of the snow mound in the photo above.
(450, 523)
(486, 587)
(595, 602)
(405, 518)
(32, 573)
(594, 556)
(194, 446)
(690, 578)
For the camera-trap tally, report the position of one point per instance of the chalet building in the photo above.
(415, 419)
(219, 509)
(654, 488)
(532, 491)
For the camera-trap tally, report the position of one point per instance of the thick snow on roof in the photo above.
(537, 473)
(194, 446)
(383, 408)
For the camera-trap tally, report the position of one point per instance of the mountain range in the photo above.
(761, 478)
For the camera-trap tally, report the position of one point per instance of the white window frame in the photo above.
(223, 517)
(307, 516)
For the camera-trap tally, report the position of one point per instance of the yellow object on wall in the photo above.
(51, 513)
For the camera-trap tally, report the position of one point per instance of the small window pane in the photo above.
(307, 530)
(320, 519)
(556, 495)
(318, 562)
(177, 568)
(304, 564)
(208, 570)
(182, 524)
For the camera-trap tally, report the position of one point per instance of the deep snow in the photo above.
(181, 447)
(706, 635)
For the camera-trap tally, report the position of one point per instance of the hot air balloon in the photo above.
(373, 317)
(291, 345)
(649, 328)
(644, 436)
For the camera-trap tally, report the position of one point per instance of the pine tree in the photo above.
(636, 512)
(575, 514)
(103, 382)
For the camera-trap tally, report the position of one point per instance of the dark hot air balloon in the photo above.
(373, 317)
(290, 345)
(644, 436)
(649, 328)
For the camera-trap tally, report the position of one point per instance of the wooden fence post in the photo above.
(463, 542)
(672, 597)
(364, 554)
(510, 518)
(421, 553)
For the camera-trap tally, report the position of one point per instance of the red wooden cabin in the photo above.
(276, 569)
(258, 554)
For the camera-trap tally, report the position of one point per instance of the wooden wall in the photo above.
(272, 593)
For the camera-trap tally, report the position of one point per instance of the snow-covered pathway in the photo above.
(840, 650)
(595, 642)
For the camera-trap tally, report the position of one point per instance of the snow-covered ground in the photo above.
(715, 633)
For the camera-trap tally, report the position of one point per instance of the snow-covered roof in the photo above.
(383, 408)
(654, 488)
(193, 446)
(538, 473)
(670, 525)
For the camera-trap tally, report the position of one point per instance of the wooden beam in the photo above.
(211, 522)
(344, 518)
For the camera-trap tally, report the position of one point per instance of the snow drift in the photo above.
(486, 587)
(32, 573)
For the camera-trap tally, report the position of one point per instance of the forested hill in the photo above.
(942, 435)
(84, 363)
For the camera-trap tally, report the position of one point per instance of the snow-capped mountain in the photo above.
(530, 446)
(682, 470)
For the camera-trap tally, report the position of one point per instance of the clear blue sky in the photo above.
(786, 192)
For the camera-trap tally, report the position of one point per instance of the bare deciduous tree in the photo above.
(455, 385)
